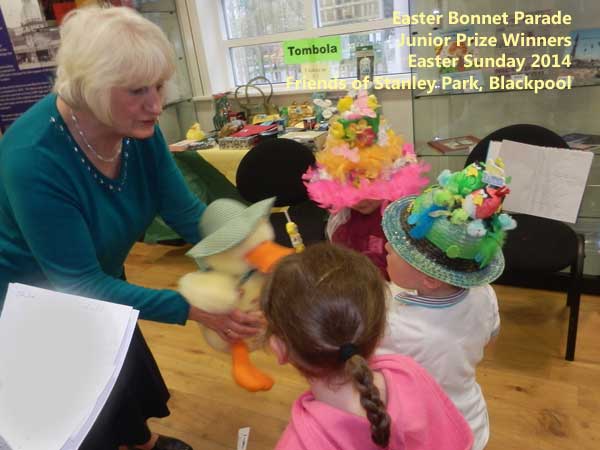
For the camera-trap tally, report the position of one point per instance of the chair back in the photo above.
(537, 244)
(523, 133)
(540, 247)
(274, 168)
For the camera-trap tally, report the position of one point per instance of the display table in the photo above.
(225, 161)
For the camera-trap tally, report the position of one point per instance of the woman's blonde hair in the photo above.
(102, 48)
(327, 304)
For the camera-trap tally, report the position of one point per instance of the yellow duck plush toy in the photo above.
(195, 133)
(237, 249)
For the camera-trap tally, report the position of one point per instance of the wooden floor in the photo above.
(536, 399)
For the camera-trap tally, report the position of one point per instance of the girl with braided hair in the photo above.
(325, 311)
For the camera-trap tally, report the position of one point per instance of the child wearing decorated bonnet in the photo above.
(363, 166)
(325, 310)
(445, 246)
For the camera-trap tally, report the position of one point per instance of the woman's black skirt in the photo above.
(139, 393)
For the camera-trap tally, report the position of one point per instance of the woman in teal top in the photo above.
(66, 225)
(82, 175)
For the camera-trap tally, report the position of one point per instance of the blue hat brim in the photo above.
(402, 244)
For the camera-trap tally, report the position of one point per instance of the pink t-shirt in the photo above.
(423, 418)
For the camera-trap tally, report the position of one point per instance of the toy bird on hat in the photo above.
(236, 251)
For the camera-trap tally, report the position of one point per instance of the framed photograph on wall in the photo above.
(455, 144)
(585, 57)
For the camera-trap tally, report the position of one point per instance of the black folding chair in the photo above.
(274, 168)
(539, 247)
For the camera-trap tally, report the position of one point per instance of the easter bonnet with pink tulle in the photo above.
(362, 159)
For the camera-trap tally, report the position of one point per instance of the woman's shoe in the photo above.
(170, 443)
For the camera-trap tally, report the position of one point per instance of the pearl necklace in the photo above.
(89, 146)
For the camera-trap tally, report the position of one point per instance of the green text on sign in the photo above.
(303, 51)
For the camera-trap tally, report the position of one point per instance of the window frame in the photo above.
(209, 37)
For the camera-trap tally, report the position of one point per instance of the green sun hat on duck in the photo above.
(225, 223)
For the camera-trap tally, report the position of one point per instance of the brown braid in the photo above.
(322, 302)
(362, 376)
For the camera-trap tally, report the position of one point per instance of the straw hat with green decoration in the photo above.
(454, 231)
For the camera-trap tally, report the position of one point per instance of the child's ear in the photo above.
(430, 282)
(279, 348)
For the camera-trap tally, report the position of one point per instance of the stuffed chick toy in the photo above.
(235, 253)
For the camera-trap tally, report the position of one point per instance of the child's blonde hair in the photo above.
(327, 304)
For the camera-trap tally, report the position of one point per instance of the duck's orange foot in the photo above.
(251, 379)
(245, 374)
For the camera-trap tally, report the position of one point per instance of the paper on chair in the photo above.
(60, 355)
(546, 182)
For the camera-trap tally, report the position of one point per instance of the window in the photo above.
(250, 18)
(335, 12)
(267, 59)
(243, 38)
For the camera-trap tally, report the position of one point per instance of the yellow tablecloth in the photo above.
(225, 161)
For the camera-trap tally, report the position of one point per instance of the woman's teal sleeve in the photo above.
(57, 235)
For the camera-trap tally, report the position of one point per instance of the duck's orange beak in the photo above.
(265, 255)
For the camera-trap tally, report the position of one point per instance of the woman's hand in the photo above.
(231, 327)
